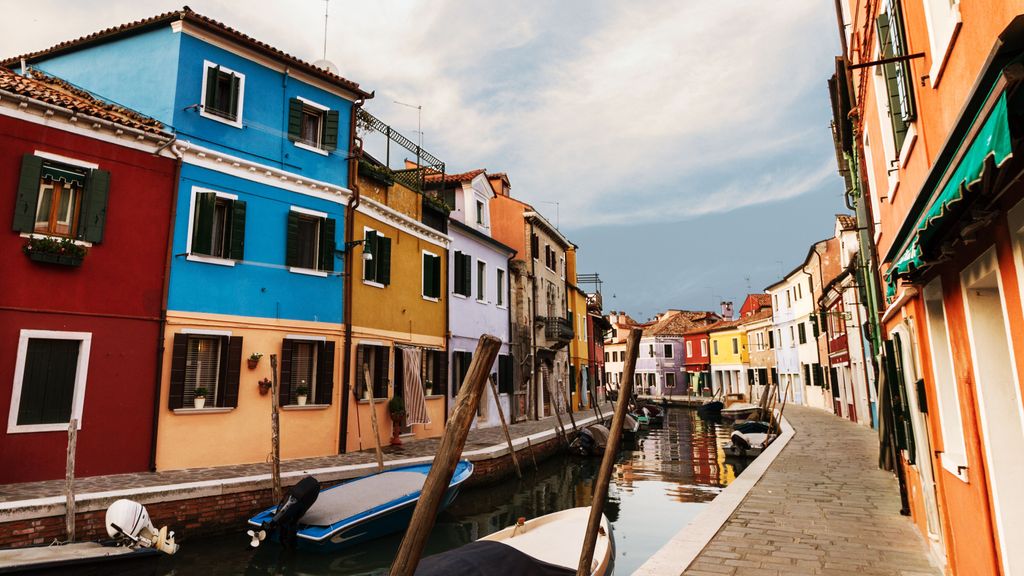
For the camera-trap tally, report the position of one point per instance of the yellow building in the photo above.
(398, 288)
(729, 357)
(579, 358)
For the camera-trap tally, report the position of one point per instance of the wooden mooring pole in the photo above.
(447, 458)
(532, 455)
(69, 481)
(504, 426)
(568, 407)
(604, 475)
(554, 408)
(275, 432)
(373, 420)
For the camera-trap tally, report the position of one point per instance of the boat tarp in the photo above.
(352, 498)
(487, 558)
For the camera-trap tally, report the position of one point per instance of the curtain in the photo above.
(415, 405)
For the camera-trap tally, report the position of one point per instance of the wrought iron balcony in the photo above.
(413, 175)
(558, 328)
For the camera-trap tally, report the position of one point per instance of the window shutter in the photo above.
(237, 230)
(284, 386)
(294, 119)
(232, 372)
(233, 97)
(327, 244)
(771, 339)
(441, 379)
(428, 276)
(435, 278)
(202, 227)
(534, 246)
(28, 193)
(467, 274)
(211, 87)
(179, 352)
(457, 276)
(370, 246)
(384, 266)
(331, 130)
(94, 209)
(292, 246)
(815, 331)
(325, 374)
(380, 373)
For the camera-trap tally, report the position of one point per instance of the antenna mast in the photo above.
(327, 5)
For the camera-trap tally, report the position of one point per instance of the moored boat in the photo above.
(738, 410)
(591, 441)
(355, 511)
(547, 545)
(750, 438)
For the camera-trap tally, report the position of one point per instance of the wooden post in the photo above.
(373, 420)
(446, 459)
(554, 406)
(568, 408)
(604, 475)
(69, 481)
(532, 455)
(504, 426)
(275, 432)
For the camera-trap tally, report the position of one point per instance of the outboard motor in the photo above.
(128, 521)
(290, 510)
(584, 444)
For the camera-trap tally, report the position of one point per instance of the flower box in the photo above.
(50, 250)
(60, 259)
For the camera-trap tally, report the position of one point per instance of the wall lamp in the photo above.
(367, 256)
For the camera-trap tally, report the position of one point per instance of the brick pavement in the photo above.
(478, 438)
(823, 507)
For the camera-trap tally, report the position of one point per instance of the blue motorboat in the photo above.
(352, 512)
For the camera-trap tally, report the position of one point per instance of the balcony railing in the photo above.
(370, 129)
(558, 328)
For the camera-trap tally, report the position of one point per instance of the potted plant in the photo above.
(254, 359)
(62, 251)
(265, 385)
(302, 393)
(396, 406)
(199, 399)
(430, 388)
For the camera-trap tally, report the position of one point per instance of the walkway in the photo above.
(822, 507)
(481, 438)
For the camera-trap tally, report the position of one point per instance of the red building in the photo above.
(697, 360)
(87, 189)
(597, 326)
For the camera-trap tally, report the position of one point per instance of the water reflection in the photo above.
(659, 484)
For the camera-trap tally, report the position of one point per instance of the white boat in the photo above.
(738, 410)
(548, 545)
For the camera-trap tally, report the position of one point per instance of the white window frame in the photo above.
(191, 223)
(941, 42)
(423, 280)
(81, 378)
(689, 348)
(323, 125)
(502, 291)
(703, 347)
(310, 271)
(362, 271)
(237, 122)
(954, 450)
(480, 276)
(667, 347)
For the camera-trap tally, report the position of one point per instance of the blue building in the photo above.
(263, 141)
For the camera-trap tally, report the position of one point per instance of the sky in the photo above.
(684, 146)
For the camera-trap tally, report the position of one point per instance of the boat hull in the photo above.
(46, 560)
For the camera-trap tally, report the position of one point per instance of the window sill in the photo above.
(434, 397)
(908, 147)
(479, 301)
(939, 64)
(954, 468)
(430, 299)
(299, 408)
(372, 283)
(33, 428)
(307, 272)
(457, 295)
(311, 148)
(210, 260)
(190, 411)
(376, 401)
(85, 243)
(223, 120)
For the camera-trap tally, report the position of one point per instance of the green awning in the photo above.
(991, 141)
(58, 173)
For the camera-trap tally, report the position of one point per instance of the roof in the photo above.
(434, 177)
(676, 323)
(756, 316)
(186, 14)
(761, 300)
(725, 325)
(469, 230)
(846, 221)
(52, 90)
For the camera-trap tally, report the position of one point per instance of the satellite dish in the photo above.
(327, 65)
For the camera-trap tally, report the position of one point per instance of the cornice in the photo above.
(392, 217)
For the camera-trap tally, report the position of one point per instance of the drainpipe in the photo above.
(532, 405)
(355, 152)
(162, 322)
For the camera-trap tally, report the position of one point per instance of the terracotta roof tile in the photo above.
(435, 177)
(188, 15)
(756, 316)
(846, 221)
(56, 91)
(677, 323)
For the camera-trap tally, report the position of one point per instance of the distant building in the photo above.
(661, 365)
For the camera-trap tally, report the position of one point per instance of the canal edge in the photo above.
(676, 555)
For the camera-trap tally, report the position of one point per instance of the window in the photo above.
(670, 379)
(435, 371)
(898, 86)
(479, 212)
(460, 366)
(789, 301)
(650, 350)
(607, 356)
(504, 374)
(943, 18)
(309, 365)
(638, 380)
(954, 454)
(652, 379)
(703, 347)
(61, 199)
(771, 339)
(218, 225)
(776, 298)
(792, 336)
(223, 94)
(431, 276)
(463, 281)
(735, 345)
(501, 287)
(312, 125)
(376, 360)
(689, 348)
(49, 380)
(714, 346)
(802, 331)
(207, 361)
(310, 242)
(376, 270)
(668, 350)
(534, 246)
(481, 281)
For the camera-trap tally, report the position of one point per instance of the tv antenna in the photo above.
(327, 6)
(556, 210)
(419, 119)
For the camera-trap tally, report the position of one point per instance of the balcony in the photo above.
(558, 328)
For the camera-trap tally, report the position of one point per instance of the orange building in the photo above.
(930, 148)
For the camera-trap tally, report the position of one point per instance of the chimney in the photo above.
(500, 184)
(727, 310)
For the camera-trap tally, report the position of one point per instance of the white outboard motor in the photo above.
(128, 520)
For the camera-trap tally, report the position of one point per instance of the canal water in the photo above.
(659, 484)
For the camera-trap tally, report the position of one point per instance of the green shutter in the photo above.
(457, 276)
(330, 140)
(94, 208)
(327, 244)
(893, 78)
(370, 247)
(202, 226)
(325, 373)
(234, 97)
(284, 388)
(211, 87)
(814, 326)
(428, 263)
(435, 279)
(176, 385)
(384, 266)
(467, 274)
(232, 372)
(237, 230)
(291, 257)
(294, 119)
(28, 193)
